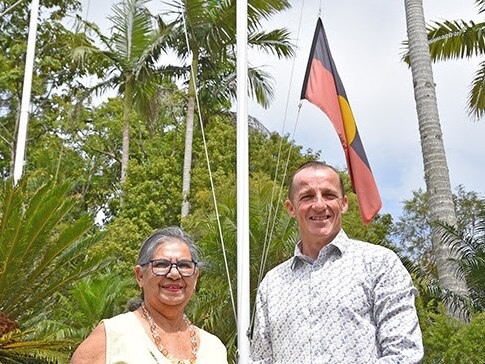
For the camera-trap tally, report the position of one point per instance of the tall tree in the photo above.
(211, 28)
(413, 229)
(436, 172)
(459, 39)
(132, 55)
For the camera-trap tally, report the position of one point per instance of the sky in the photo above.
(365, 39)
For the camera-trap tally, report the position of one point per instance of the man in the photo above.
(337, 300)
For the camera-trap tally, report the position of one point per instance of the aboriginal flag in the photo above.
(322, 87)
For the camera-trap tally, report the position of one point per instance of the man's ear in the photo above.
(345, 204)
(290, 208)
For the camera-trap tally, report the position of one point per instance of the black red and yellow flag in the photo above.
(322, 87)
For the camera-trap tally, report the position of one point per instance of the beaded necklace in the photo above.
(158, 340)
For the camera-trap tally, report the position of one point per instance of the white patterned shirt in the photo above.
(353, 304)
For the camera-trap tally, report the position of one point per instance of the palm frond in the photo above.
(481, 5)
(132, 25)
(471, 261)
(260, 87)
(476, 96)
(456, 39)
(264, 9)
(21, 347)
(275, 42)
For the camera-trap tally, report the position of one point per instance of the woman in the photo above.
(158, 330)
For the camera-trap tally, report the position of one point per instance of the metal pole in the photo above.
(25, 105)
(243, 304)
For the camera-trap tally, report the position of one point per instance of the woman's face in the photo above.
(172, 289)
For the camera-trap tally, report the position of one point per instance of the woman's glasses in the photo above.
(161, 267)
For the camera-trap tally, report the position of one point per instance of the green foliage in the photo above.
(19, 347)
(471, 264)
(211, 27)
(466, 346)
(449, 341)
(132, 54)
(90, 300)
(413, 231)
(41, 245)
(53, 73)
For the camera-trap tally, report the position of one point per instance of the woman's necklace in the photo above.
(158, 340)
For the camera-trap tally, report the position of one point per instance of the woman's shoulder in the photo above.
(212, 347)
(92, 349)
(127, 316)
(207, 336)
(127, 319)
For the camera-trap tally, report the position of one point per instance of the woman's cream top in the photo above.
(127, 342)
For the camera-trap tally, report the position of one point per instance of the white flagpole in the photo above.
(243, 305)
(25, 105)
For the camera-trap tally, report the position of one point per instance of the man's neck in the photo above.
(312, 247)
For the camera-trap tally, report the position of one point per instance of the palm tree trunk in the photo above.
(189, 133)
(435, 166)
(127, 106)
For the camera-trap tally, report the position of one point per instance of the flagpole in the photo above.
(243, 305)
(27, 87)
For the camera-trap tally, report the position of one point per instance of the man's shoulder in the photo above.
(282, 268)
(365, 248)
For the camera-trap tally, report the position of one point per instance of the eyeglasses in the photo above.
(161, 267)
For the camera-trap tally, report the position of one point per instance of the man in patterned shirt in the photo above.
(337, 300)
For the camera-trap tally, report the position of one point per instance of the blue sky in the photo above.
(366, 42)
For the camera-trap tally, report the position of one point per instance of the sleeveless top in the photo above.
(128, 343)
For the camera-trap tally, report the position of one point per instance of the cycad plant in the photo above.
(42, 251)
(89, 301)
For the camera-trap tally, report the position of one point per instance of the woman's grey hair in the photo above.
(159, 237)
(151, 243)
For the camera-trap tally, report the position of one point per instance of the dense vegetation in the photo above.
(71, 229)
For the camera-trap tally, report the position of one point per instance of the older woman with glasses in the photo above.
(158, 331)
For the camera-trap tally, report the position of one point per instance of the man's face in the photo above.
(317, 204)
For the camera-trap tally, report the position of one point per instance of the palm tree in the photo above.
(131, 54)
(457, 39)
(435, 166)
(211, 30)
(471, 265)
(42, 252)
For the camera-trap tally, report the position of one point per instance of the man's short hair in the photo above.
(314, 165)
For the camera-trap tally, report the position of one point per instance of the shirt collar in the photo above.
(340, 243)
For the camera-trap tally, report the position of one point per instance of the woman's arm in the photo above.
(93, 349)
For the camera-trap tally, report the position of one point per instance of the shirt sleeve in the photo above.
(398, 333)
(261, 348)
